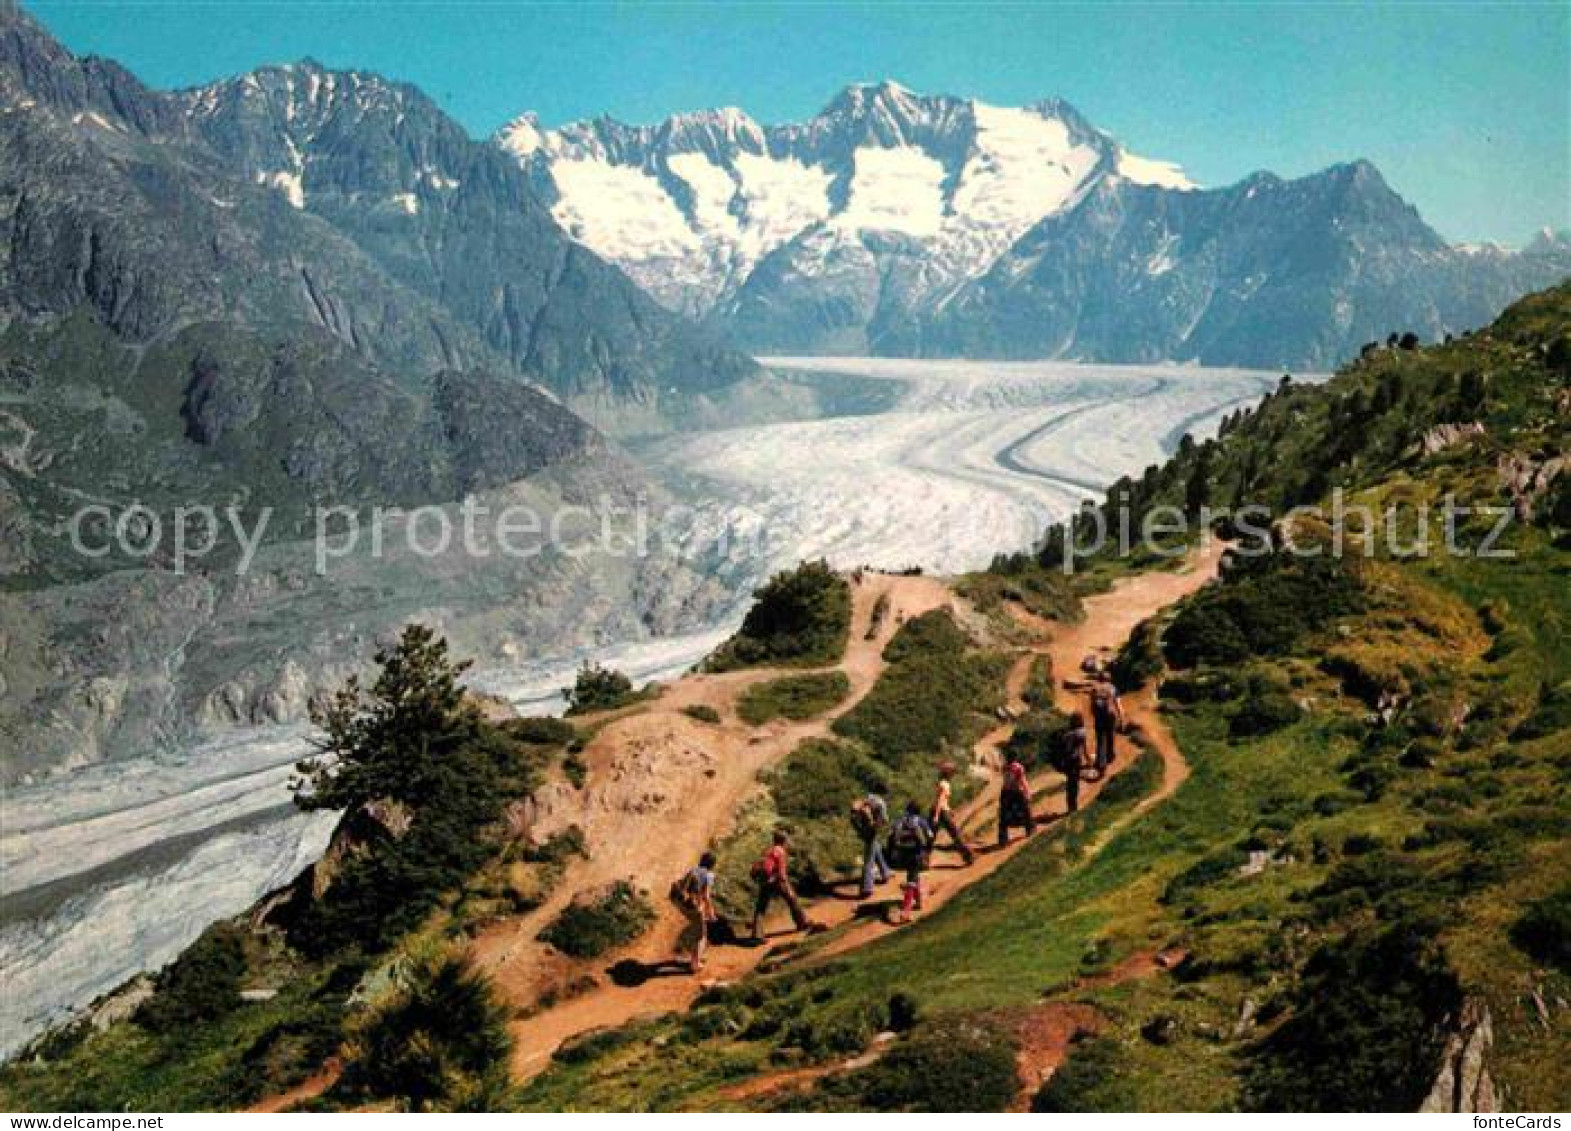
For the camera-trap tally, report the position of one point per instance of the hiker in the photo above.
(1107, 712)
(772, 871)
(869, 818)
(694, 893)
(1069, 756)
(910, 845)
(943, 817)
(1014, 801)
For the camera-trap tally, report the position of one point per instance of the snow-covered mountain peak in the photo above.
(522, 136)
(692, 206)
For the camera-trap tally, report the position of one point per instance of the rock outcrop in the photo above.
(1463, 1083)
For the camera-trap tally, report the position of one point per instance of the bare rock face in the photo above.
(1463, 1083)
(120, 1004)
(289, 696)
(1443, 436)
(1526, 479)
(357, 833)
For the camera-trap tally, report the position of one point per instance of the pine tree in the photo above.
(389, 743)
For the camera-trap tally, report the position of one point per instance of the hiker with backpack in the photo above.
(1107, 712)
(694, 895)
(869, 818)
(772, 873)
(1068, 758)
(1014, 801)
(942, 816)
(910, 846)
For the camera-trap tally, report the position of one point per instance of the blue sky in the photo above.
(1466, 108)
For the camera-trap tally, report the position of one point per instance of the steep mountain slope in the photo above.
(1266, 273)
(908, 225)
(176, 334)
(458, 222)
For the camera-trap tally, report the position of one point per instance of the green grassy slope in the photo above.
(1340, 883)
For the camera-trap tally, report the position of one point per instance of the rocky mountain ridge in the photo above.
(900, 224)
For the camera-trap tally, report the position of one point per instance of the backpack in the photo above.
(863, 822)
(684, 892)
(1066, 751)
(907, 843)
(762, 872)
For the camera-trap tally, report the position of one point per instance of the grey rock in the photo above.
(1463, 1082)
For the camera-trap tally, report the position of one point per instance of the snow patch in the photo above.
(780, 197)
(287, 183)
(619, 211)
(712, 189)
(439, 180)
(899, 190)
(1145, 171)
(521, 136)
(1025, 166)
(93, 118)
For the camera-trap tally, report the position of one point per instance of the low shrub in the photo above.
(1139, 661)
(1366, 1026)
(1551, 716)
(593, 924)
(439, 1043)
(1038, 690)
(288, 1053)
(598, 688)
(1048, 593)
(1092, 1079)
(799, 618)
(702, 712)
(596, 1043)
(558, 848)
(795, 697)
(1544, 930)
(953, 1064)
(1206, 871)
(1266, 708)
(541, 730)
(200, 986)
(1207, 685)
(1035, 737)
(1265, 607)
(934, 685)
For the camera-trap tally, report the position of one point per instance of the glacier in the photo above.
(117, 867)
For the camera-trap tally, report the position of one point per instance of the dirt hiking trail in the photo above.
(662, 787)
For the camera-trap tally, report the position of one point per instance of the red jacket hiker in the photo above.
(773, 873)
(1014, 802)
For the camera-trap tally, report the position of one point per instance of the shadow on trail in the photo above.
(631, 973)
